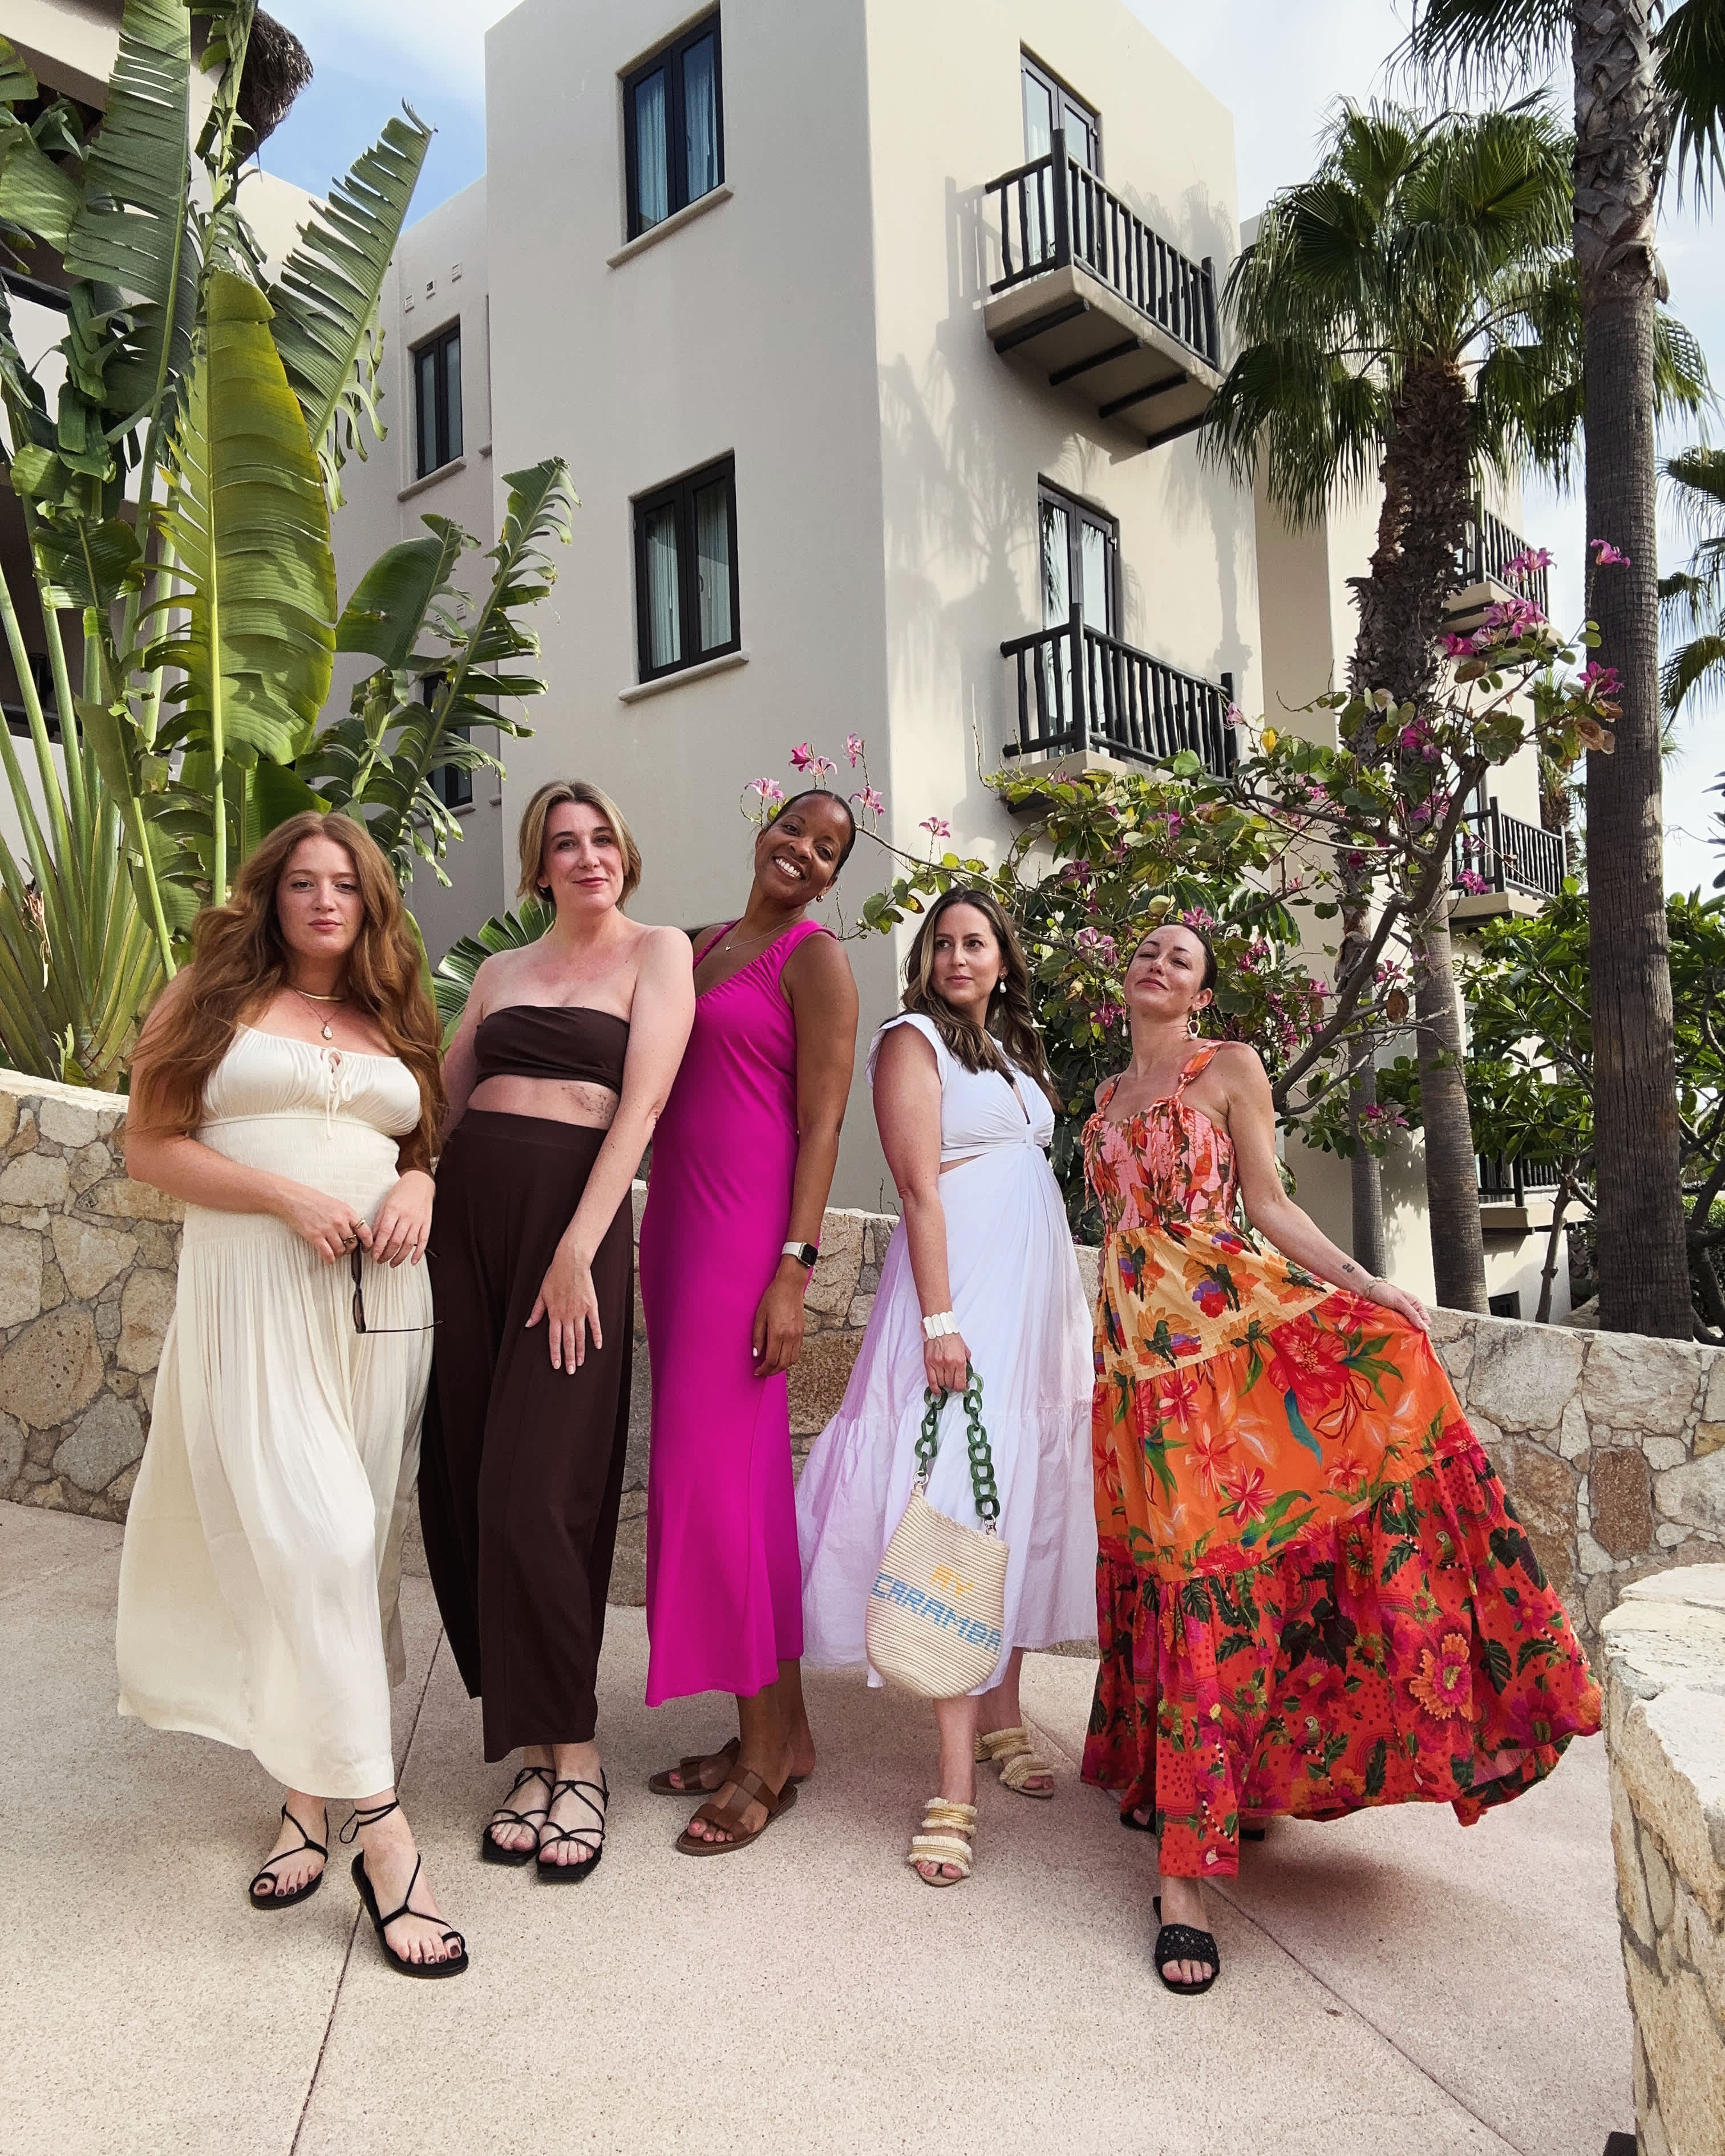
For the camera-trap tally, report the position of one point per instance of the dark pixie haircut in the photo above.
(822, 794)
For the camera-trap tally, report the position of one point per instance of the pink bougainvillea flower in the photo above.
(854, 749)
(802, 756)
(1606, 555)
(1458, 647)
(769, 790)
(937, 827)
(1527, 563)
(1600, 680)
(869, 800)
(823, 767)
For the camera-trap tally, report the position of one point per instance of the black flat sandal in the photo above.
(267, 1869)
(572, 1875)
(454, 1964)
(491, 1851)
(1185, 1943)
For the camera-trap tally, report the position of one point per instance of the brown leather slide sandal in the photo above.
(750, 1789)
(662, 1785)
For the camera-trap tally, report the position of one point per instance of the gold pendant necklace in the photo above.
(308, 998)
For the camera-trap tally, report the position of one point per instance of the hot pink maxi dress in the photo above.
(724, 1579)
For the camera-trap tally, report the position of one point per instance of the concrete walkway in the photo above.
(1390, 1983)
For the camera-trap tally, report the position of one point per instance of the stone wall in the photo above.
(1612, 1447)
(87, 1260)
(1664, 1657)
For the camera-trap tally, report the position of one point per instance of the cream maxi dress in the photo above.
(1020, 1307)
(259, 1580)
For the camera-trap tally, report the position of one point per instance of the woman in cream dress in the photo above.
(286, 1087)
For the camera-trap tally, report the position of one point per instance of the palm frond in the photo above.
(1462, 47)
(1691, 74)
(325, 299)
(452, 980)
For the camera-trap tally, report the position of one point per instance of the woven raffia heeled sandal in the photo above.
(1018, 1760)
(948, 1837)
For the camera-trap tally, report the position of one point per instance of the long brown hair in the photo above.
(241, 961)
(1011, 1019)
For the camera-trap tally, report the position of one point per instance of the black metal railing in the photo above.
(1487, 548)
(1508, 1182)
(1055, 212)
(1116, 701)
(1498, 853)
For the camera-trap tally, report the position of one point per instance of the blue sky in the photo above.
(1278, 68)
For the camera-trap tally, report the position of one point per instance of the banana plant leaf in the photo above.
(134, 231)
(35, 193)
(452, 980)
(451, 662)
(249, 529)
(325, 299)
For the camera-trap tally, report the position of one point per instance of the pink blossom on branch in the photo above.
(769, 790)
(1606, 555)
(854, 749)
(802, 756)
(823, 767)
(1603, 682)
(869, 801)
(1527, 563)
(937, 827)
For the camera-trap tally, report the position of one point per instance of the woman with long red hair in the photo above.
(286, 1087)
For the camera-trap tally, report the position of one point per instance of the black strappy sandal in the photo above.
(1185, 1943)
(454, 1964)
(267, 1869)
(571, 1875)
(491, 1851)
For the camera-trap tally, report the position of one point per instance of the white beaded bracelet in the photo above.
(939, 1326)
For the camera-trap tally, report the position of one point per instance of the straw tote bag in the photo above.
(939, 1599)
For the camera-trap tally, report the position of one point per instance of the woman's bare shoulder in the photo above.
(1105, 1092)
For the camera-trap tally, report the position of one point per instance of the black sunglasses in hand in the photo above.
(355, 1257)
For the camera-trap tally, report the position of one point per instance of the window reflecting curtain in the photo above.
(700, 118)
(425, 413)
(1057, 568)
(1094, 580)
(712, 557)
(664, 639)
(652, 169)
(452, 391)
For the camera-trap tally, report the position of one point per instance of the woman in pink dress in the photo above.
(742, 1160)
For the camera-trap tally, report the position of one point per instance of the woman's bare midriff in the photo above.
(947, 1166)
(554, 1100)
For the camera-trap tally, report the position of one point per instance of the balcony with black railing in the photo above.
(1113, 700)
(1500, 864)
(1482, 577)
(1090, 296)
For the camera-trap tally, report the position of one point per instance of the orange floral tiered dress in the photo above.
(1313, 1593)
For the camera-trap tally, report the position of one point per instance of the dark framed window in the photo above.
(1048, 105)
(1079, 547)
(686, 599)
(452, 785)
(674, 127)
(436, 401)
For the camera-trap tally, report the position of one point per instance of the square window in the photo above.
(673, 127)
(686, 570)
(437, 401)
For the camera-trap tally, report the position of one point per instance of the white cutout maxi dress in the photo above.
(1020, 1307)
(259, 1580)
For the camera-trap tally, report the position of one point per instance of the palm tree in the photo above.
(1650, 87)
(1406, 317)
(1693, 600)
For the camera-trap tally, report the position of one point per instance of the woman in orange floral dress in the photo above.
(1313, 1594)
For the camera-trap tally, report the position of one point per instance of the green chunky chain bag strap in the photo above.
(939, 1599)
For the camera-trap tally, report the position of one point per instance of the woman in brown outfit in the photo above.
(556, 1077)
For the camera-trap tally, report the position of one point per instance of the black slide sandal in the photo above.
(572, 1875)
(1184, 1942)
(267, 1869)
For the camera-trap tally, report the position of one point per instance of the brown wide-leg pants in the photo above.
(522, 1468)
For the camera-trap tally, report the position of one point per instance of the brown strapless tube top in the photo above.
(558, 1041)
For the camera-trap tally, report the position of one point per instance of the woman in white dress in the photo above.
(286, 1087)
(980, 1271)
